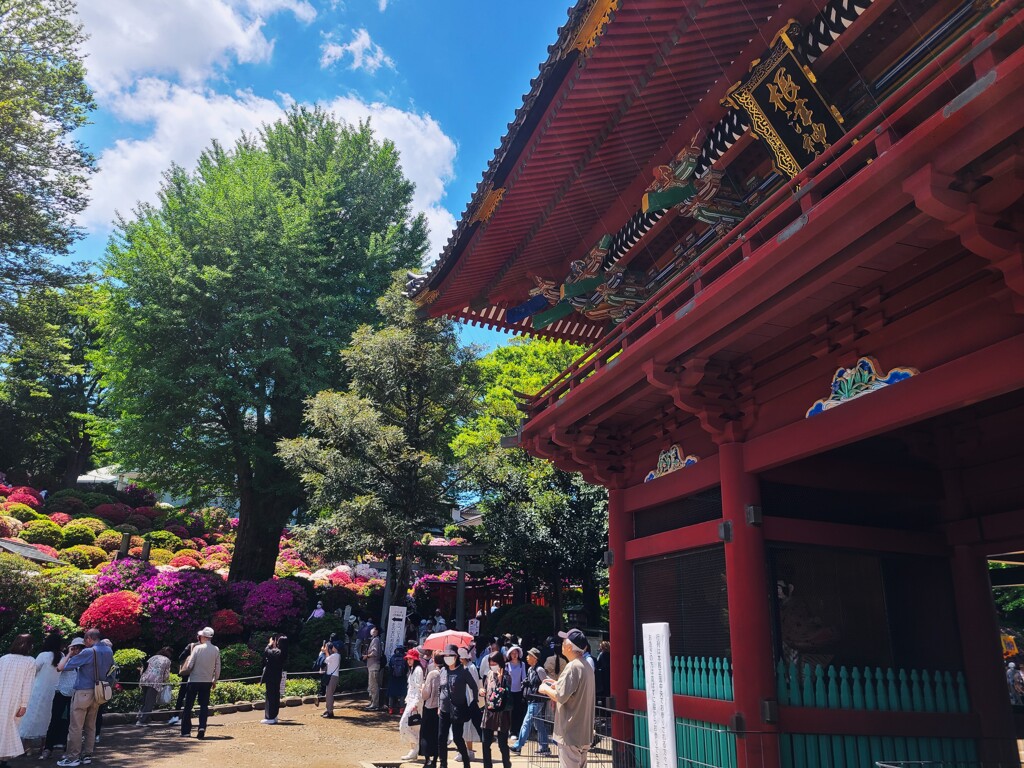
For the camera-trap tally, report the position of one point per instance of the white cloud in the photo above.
(186, 119)
(365, 53)
(382, 5)
(186, 39)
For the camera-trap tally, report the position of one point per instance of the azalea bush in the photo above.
(94, 524)
(138, 496)
(235, 595)
(115, 513)
(109, 541)
(126, 574)
(18, 590)
(179, 603)
(274, 604)
(10, 527)
(21, 511)
(164, 540)
(117, 615)
(44, 532)
(64, 591)
(60, 518)
(83, 556)
(184, 561)
(53, 622)
(239, 660)
(27, 496)
(77, 533)
(226, 622)
(68, 505)
(129, 661)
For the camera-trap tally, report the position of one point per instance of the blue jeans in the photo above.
(534, 718)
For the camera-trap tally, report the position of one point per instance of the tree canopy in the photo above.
(377, 463)
(50, 392)
(539, 522)
(43, 171)
(230, 300)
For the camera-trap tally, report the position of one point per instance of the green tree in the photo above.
(43, 171)
(377, 463)
(543, 524)
(50, 393)
(229, 303)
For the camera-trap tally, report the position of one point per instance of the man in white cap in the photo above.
(203, 668)
(574, 695)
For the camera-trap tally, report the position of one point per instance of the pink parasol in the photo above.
(439, 640)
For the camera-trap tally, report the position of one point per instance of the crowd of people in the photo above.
(496, 694)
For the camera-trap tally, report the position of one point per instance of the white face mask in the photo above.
(450, 661)
(494, 667)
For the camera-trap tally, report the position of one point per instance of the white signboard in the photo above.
(660, 712)
(474, 627)
(396, 629)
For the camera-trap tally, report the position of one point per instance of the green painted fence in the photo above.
(705, 677)
(698, 744)
(822, 751)
(888, 690)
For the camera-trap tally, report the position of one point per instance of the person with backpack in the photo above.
(535, 703)
(497, 719)
(332, 666)
(397, 679)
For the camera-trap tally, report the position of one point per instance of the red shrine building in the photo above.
(788, 236)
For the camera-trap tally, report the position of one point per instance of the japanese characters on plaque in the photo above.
(786, 109)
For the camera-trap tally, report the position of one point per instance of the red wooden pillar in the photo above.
(983, 659)
(749, 594)
(621, 619)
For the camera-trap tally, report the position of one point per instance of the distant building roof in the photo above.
(27, 551)
(470, 516)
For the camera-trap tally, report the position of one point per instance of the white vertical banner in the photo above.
(396, 630)
(661, 718)
(474, 627)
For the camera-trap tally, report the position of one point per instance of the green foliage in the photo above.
(109, 541)
(77, 533)
(163, 540)
(314, 632)
(83, 556)
(64, 591)
(353, 679)
(44, 532)
(533, 623)
(230, 300)
(564, 516)
(127, 699)
(301, 686)
(229, 693)
(43, 169)
(130, 661)
(53, 622)
(94, 524)
(48, 388)
(18, 591)
(239, 660)
(377, 463)
(23, 512)
(95, 499)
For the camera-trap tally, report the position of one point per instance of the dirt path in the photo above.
(301, 738)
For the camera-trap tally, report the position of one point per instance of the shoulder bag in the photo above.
(102, 690)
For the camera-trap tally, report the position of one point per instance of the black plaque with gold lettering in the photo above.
(786, 109)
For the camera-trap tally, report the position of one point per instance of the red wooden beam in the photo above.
(680, 484)
(691, 707)
(989, 372)
(858, 722)
(853, 537)
(690, 537)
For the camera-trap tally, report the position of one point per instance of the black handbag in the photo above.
(415, 718)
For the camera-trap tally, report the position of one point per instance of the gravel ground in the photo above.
(301, 738)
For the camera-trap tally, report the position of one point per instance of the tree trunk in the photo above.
(75, 461)
(556, 598)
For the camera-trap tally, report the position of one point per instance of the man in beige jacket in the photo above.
(203, 669)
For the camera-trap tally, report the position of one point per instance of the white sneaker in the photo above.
(458, 757)
(174, 721)
(413, 754)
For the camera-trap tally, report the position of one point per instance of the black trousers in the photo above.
(182, 690)
(449, 721)
(60, 721)
(196, 692)
(273, 706)
(502, 739)
(518, 710)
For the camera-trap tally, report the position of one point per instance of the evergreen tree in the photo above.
(229, 303)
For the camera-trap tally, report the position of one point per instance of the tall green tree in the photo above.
(229, 303)
(377, 463)
(50, 393)
(546, 525)
(43, 171)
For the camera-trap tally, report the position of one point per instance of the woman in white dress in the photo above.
(17, 671)
(40, 704)
(410, 733)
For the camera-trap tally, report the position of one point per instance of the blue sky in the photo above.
(441, 78)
